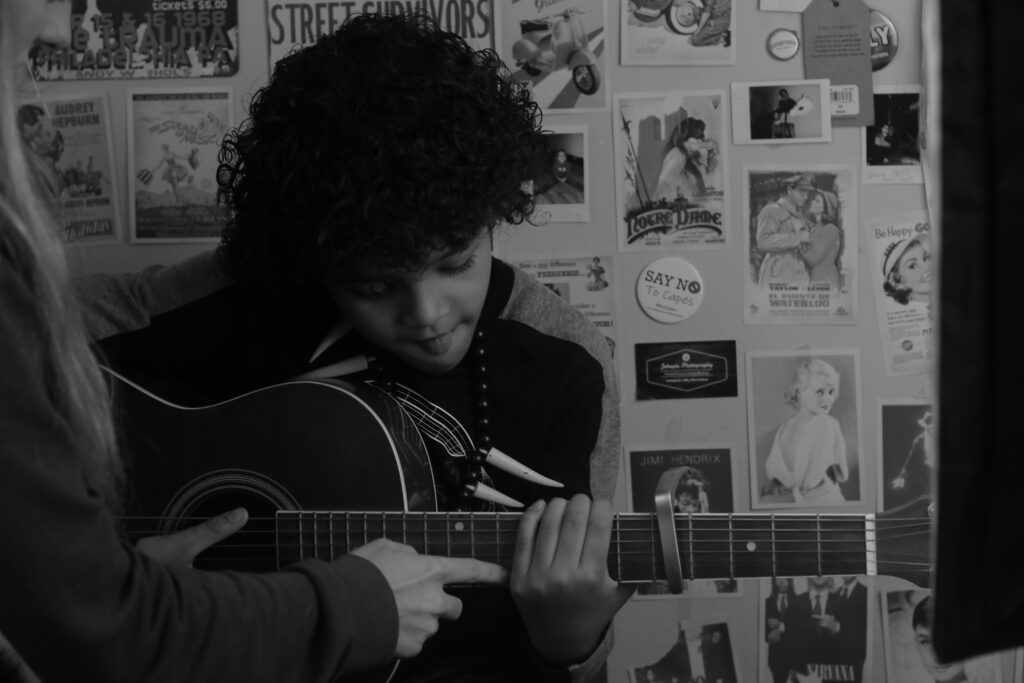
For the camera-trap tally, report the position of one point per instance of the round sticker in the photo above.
(669, 290)
(783, 44)
(884, 40)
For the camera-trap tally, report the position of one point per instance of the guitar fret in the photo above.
(654, 558)
(405, 523)
(689, 519)
(448, 534)
(617, 525)
(472, 535)
(817, 520)
(330, 530)
(383, 525)
(316, 539)
(775, 569)
(732, 568)
(497, 538)
(366, 521)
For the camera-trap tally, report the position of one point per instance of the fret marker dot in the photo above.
(459, 526)
(751, 546)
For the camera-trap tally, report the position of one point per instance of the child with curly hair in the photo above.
(363, 193)
(808, 454)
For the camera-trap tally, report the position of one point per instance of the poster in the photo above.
(891, 149)
(174, 139)
(297, 23)
(585, 281)
(907, 436)
(120, 39)
(695, 652)
(804, 428)
(815, 628)
(800, 236)
(909, 657)
(686, 33)
(904, 284)
(559, 48)
(68, 144)
(562, 191)
(671, 170)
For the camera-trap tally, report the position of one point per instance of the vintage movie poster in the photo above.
(585, 281)
(120, 39)
(800, 235)
(692, 653)
(901, 269)
(559, 48)
(686, 33)
(804, 428)
(298, 23)
(815, 628)
(698, 369)
(781, 112)
(909, 656)
(68, 143)
(174, 138)
(907, 436)
(671, 170)
(891, 149)
(562, 191)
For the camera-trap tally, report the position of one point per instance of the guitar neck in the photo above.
(710, 545)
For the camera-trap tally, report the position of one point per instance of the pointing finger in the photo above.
(466, 570)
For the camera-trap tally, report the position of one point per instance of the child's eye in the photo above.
(376, 289)
(458, 268)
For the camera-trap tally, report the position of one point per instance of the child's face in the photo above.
(940, 672)
(818, 395)
(561, 157)
(424, 317)
(915, 268)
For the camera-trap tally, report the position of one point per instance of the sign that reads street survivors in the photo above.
(121, 39)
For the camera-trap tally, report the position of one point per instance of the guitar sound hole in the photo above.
(252, 548)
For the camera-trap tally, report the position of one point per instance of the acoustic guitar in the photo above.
(325, 466)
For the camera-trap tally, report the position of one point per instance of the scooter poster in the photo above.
(671, 170)
(173, 143)
(121, 39)
(68, 143)
(677, 32)
(298, 23)
(559, 48)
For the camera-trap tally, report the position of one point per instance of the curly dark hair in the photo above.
(384, 141)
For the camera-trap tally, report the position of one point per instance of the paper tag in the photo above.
(845, 100)
(837, 46)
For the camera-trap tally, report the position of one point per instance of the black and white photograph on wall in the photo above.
(298, 23)
(904, 283)
(584, 280)
(906, 441)
(891, 149)
(804, 428)
(800, 236)
(677, 32)
(670, 168)
(68, 144)
(131, 39)
(910, 658)
(173, 141)
(815, 628)
(781, 112)
(559, 48)
(696, 653)
(562, 190)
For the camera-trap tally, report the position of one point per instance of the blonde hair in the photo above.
(32, 251)
(802, 377)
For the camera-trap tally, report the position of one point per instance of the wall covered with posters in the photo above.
(736, 198)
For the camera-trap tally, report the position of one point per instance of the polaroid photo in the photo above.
(909, 656)
(562, 189)
(815, 628)
(891, 149)
(694, 653)
(804, 428)
(781, 112)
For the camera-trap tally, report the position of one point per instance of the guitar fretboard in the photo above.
(710, 545)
